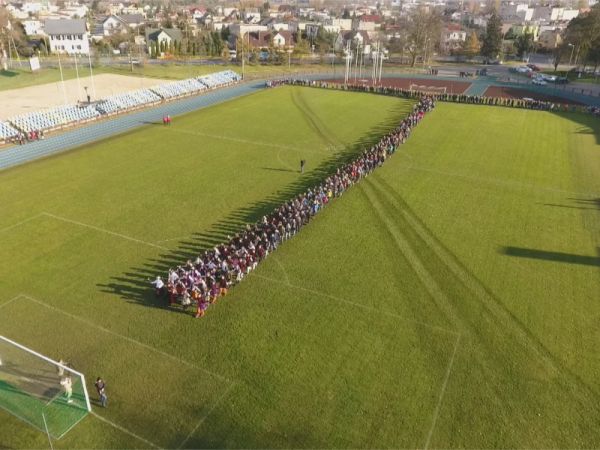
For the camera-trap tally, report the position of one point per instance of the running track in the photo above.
(52, 144)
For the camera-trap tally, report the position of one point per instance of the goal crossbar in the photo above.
(47, 394)
(56, 363)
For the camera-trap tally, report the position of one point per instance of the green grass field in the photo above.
(19, 78)
(448, 300)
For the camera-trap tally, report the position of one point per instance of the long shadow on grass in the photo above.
(133, 285)
(569, 258)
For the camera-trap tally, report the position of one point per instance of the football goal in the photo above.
(45, 393)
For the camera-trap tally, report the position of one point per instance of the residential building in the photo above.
(163, 35)
(68, 36)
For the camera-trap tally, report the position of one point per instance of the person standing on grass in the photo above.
(302, 164)
(101, 389)
(67, 385)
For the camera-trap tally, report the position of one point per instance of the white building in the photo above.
(68, 36)
(33, 27)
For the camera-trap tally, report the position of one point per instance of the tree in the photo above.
(346, 14)
(584, 33)
(557, 55)
(471, 46)
(423, 33)
(524, 44)
(492, 41)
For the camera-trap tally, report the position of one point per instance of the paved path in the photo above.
(94, 131)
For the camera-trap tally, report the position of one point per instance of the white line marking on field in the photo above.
(500, 182)
(280, 264)
(217, 403)
(442, 393)
(247, 141)
(10, 227)
(2, 305)
(358, 305)
(125, 430)
(127, 338)
(102, 230)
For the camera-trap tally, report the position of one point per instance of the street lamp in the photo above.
(572, 49)
(86, 94)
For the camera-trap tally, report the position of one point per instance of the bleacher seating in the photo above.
(127, 100)
(219, 79)
(7, 131)
(178, 88)
(64, 115)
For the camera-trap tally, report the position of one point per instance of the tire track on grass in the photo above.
(314, 122)
(501, 317)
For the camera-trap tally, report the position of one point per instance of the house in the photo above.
(452, 38)
(68, 36)
(113, 24)
(251, 15)
(164, 36)
(356, 39)
(367, 22)
(241, 29)
(344, 24)
(33, 27)
(550, 39)
(266, 39)
(283, 39)
(133, 21)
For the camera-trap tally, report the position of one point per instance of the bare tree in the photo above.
(423, 32)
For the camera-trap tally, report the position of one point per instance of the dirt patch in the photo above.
(510, 92)
(452, 87)
(36, 98)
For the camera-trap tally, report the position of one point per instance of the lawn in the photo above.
(449, 300)
(18, 78)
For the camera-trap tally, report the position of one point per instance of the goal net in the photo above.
(428, 89)
(40, 391)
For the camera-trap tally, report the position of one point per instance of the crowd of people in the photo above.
(25, 137)
(526, 103)
(201, 282)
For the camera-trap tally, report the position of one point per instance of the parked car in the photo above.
(523, 69)
(539, 82)
(550, 78)
(533, 67)
(562, 80)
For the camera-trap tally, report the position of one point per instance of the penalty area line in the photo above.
(22, 222)
(103, 230)
(127, 338)
(124, 430)
(358, 305)
(217, 403)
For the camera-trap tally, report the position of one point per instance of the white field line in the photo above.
(500, 182)
(102, 230)
(2, 305)
(127, 338)
(358, 305)
(280, 264)
(249, 141)
(125, 430)
(217, 403)
(442, 393)
(10, 227)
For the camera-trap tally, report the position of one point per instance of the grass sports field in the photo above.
(448, 300)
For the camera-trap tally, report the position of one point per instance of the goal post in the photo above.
(47, 394)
